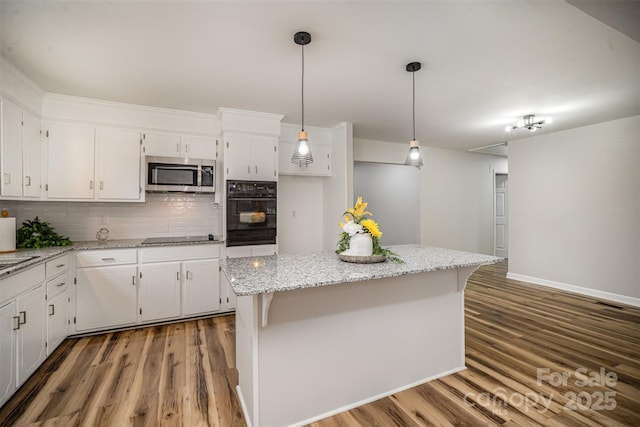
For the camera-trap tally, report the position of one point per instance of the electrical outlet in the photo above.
(102, 220)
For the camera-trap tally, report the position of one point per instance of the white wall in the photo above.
(575, 209)
(456, 193)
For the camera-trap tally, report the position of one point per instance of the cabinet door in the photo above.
(8, 323)
(118, 164)
(31, 156)
(11, 149)
(160, 291)
(199, 148)
(70, 161)
(201, 287)
(106, 297)
(32, 335)
(162, 144)
(263, 158)
(57, 321)
(237, 157)
(227, 296)
(263, 250)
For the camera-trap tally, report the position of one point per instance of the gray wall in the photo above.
(393, 194)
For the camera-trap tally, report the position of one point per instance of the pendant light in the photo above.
(302, 153)
(414, 158)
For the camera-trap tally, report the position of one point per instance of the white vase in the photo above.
(360, 245)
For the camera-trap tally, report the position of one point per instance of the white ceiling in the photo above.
(485, 63)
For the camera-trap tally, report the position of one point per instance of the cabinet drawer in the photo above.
(57, 266)
(56, 286)
(180, 253)
(21, 282)
(106, 257)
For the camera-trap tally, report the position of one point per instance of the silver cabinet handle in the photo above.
(177, 275)
(133, 280)
(17, 323)
(101, 185)
(248, 168)
(186, 148)
(256, 168)
(109, 259)
(61, 284)
(27, 181)
(52, 310)
(91, 185)
(178, 147)
(189, 275)
(60, 265)
(23, 319)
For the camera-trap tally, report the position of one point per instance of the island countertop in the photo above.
(261, 275)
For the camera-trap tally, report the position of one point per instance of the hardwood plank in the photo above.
(184, 374)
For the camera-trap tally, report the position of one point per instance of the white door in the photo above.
(160, 291)
(11, 149)
(162, 144)
(57, 320)
(106, 296)
(70, 161)
(31, 156)
(32, 335)
(500, 216)
(201, 288)
(199, 148)
(8, 325)
(118, 164)
(263, 158)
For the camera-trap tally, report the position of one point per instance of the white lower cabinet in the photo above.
(188, 275)
(106, 297)
(32, 335)
(160, 291)
(200, 288)
(8, 338)
(58, 301)
(23, 333)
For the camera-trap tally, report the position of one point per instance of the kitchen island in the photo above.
(316, 336)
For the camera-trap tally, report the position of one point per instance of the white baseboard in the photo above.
(623, 299)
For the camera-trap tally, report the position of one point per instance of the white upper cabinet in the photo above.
(118, 163)
(250, 157)
(70, 161)
(85, 163)
(168, 145)
(21, 152)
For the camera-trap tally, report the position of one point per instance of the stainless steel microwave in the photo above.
(166, 174)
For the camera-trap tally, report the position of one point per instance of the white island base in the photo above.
(306, 354)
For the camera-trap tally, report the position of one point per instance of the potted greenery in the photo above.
(37, 234)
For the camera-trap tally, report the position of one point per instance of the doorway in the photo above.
(500, 215)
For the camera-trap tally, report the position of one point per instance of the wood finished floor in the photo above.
(183, 374)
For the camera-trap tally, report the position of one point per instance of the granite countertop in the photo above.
(260, 275)
(45, 254)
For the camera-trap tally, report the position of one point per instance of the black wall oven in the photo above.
(251, 212)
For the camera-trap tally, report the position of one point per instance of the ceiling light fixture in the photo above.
(414, 158)
(529, 122)
(302, 153)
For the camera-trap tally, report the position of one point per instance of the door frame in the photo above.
(494, 173)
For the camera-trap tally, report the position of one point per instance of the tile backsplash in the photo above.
(163, 214)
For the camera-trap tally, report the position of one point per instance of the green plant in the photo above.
(39, 234)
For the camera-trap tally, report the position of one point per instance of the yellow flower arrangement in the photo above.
(356, 222)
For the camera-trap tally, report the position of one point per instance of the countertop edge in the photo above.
(45, 254)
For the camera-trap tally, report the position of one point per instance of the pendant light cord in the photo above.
(302, 127)
(413, 75)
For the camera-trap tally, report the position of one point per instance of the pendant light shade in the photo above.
(414, 157)
(302, 153)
